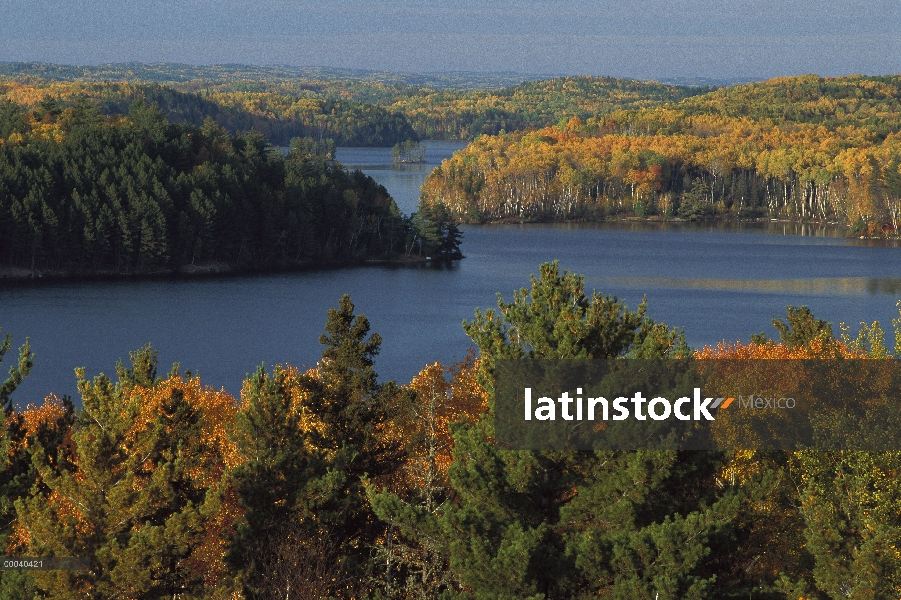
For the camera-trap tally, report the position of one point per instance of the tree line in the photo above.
(83, 192)
(354, 111)
(277, 115)
(467, 114)
(801, 148)
(327, 483)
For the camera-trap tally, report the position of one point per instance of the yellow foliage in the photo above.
(217, 408)
(777, 351)
(440, 402)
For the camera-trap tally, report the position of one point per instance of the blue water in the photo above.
(402, 180)
(718, 282)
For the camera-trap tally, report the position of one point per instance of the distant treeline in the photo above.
(798, 147)
(447, 114)
(264, 76)
(81, 192)
(278, 117)
(354, 108)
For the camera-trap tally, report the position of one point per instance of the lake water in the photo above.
(402, 180)
(716, 281)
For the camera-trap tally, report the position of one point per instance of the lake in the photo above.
(719, 282)
(402, 180)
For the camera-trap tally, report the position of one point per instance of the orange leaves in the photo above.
(777, 351)
(47, 414)
(830, 157)
(439, 403)
(217, 412)
(300, 397)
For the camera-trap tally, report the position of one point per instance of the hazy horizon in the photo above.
(653, 39)
(490, 77)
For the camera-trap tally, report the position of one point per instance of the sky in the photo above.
(643, 39)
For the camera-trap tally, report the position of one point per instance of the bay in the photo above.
(402, 180)
(718, 281)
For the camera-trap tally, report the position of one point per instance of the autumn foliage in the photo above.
(802, 147)
(323, 482)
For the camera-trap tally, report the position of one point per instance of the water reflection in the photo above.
(777, 229)
(827, 286)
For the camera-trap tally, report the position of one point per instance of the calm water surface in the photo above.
(718, 282)
(401, 180)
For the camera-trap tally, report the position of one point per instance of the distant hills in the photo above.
(353, 107)
(805, 147)
(224, 74)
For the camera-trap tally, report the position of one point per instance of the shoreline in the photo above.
(15, 274)
(852, 232)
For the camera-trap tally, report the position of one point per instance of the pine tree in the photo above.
(435, 233)
(278, 469)
(800, 327)
(851, 504)
(16, 473)
(130, 497)
(15, 468)
(355, 411)
(527, 524)
(311, 443)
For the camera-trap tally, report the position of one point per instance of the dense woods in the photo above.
(798, 147)
(81, 192)
(278, 115)
(356, 109)
(329, 483)
(453, 114)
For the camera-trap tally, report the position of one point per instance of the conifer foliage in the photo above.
(310, 444)
(129, 494)
(81, 193)
(563, 524)
(325, 483)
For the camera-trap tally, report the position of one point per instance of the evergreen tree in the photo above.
(800, 327)
(851, 504)
(130, 497)
(311, 445)
(16, 473)
(435, 233)
(355, 412)
(279, 469)
(140, 194)
(526, 524)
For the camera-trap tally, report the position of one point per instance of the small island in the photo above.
(408, 152)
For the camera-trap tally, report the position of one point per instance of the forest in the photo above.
(353, 107)
(278, 116)
(456, 114)
(329, 483)
(82, 192)
(179, 167)
(789, 148)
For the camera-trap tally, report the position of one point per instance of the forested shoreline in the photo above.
(803, 148)
(278, 116)
(83, 193)
(329, 483)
